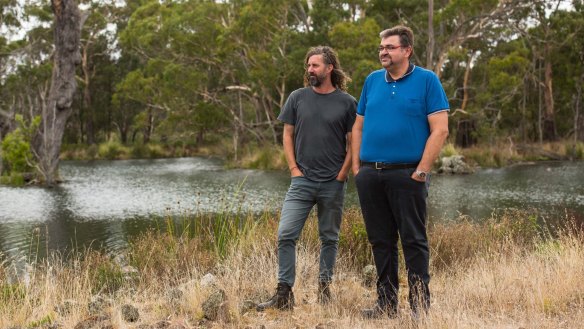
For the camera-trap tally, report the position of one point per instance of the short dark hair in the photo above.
(406, 36)
(339, 78)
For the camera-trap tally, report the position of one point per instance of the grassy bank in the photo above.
(508, 271)
(250, 156)
(504, 153)
(114, 150)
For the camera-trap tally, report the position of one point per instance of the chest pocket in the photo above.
(414, 107)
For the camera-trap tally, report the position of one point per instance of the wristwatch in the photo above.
(421, 174)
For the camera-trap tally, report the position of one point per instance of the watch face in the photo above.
(421, 174)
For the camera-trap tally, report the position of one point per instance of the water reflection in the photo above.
(103, 203)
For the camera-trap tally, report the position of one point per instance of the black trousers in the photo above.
(394, 207)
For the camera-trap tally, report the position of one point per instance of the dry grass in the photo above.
(506, 272)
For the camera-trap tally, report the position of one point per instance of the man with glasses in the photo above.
(317, 133)
(401, 125)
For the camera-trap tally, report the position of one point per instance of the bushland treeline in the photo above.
(193, 72)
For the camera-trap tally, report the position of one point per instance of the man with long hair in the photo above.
(317, 132)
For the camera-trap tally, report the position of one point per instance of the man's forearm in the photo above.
(289, 152)
(438, 134)
(347, 163)
(432, 149)
(356, 144)
(288, 142)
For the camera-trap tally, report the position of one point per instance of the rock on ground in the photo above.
(454, 165)
(130, 313)
(214, 306)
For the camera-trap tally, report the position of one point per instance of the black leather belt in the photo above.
(384, 165)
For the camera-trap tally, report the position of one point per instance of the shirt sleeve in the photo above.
(436, 96)
(288, 113)
(363, 99)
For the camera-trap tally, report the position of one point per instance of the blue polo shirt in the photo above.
(395, 126)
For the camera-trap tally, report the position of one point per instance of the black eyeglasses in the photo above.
(388, 48)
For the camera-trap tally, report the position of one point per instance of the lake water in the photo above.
(103, 203)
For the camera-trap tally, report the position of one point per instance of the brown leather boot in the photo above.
(282, 300)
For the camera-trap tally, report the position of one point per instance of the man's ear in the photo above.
(330, 68)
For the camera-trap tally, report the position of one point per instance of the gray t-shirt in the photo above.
(321, 123)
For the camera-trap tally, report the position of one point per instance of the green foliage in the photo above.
(148, 151)
(356, 43)
(11, 293)
(16, 152)
(112, 150)
(265, 158)
(107, 277)
(14, 179)
(46, 320)
(579, 151)
(448, 150)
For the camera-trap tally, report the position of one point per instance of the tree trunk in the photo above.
(578, 117)
(47, 143)
(549, 121)
(147, 132)
(89, 122)
(430, 47)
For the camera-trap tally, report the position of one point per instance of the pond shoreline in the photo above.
(108, 202)
(271, 157)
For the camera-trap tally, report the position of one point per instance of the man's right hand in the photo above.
(355, 169)
(295, 172)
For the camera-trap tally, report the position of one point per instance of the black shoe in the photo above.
(282, 300)
(324, 292)
(379, 311)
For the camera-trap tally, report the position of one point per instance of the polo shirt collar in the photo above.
(389, 79)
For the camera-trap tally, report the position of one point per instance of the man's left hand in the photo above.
(417, 178)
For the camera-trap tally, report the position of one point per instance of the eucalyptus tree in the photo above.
(67, 25)
(97, 45)
(176, 45)
(568, 70)
(8, 23)
(550, 18)
(24, 72)
(356, 43)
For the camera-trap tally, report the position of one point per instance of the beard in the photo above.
(316, 80)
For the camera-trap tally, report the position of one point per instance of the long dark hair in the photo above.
(339, 78)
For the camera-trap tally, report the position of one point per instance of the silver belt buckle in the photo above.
(376, 167)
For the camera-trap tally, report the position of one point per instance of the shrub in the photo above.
(108, 275)
(11, 292)
(448, 150)
(155, 151)
(16, 152)
(112, 150)
(139, 151)
(14, 179)
(265, 158)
